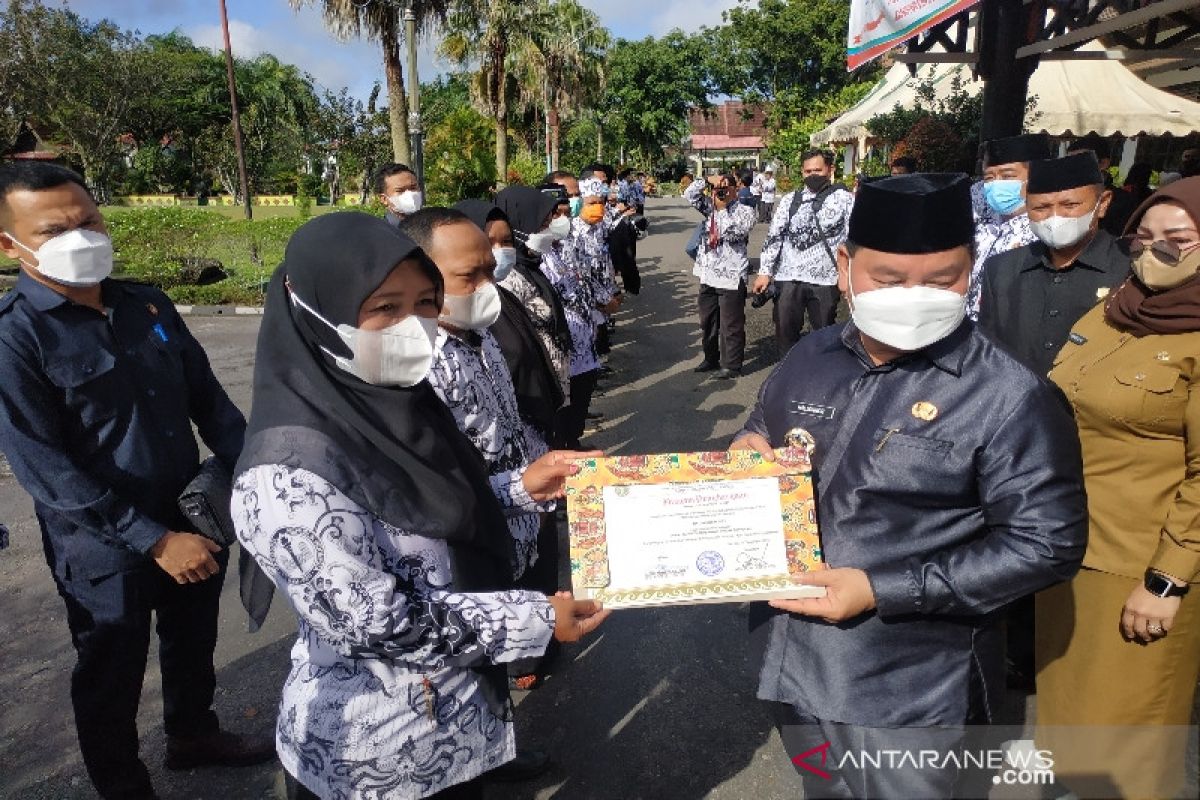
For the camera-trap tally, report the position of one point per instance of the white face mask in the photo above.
(472, 312)
(907, 318)
(399, 355)
(506, 259)
(76, 258)
(407, 203)
(1059, 233)
(541, 243)
(560, 228)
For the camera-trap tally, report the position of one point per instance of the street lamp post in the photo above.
(416, 133)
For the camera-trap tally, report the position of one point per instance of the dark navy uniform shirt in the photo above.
(95, 419)
(1029, 306)
(953, 477)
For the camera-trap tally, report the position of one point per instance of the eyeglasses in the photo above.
(1168, 252)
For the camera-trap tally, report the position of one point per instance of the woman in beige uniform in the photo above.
(1119, 645)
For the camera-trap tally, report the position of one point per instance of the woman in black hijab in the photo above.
(360, 499)
(539, 392)
(527, 211)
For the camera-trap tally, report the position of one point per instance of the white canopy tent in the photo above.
(1074, 97)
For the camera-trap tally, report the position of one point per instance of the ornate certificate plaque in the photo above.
(683, 528)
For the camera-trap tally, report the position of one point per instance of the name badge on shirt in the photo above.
(813, 410)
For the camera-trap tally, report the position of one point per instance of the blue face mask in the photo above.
(576, 206)
(1004, 196)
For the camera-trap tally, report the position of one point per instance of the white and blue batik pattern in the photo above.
(475, 385)
(562, 269)
(726, 265)
(794, 249)
(381, 702)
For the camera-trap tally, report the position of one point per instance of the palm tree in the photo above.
(383, 20)
(567, 73)
(496, 35)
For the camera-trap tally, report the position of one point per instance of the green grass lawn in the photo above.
(238, 212)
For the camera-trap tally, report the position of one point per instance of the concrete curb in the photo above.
(219, 311)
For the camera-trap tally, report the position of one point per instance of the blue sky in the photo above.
(300, 38)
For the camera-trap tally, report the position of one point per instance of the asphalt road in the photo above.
(660, 704)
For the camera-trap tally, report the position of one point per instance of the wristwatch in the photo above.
(1160, 585)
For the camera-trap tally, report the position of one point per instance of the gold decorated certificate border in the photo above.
(589, 545)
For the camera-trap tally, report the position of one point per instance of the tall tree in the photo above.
(788, 52)
(73, 77)
(495, 35)
(566, 73)
(653, 85)
(383, 20)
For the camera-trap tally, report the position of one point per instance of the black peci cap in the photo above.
(1061, 174)
(1026, 147)
(919, 213)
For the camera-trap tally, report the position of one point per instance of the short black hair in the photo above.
(385, 172)
(421, 226)
(746, 177)
(34, 176)
(905, 162)
(824, 155)
(556, 176)
(1097, 144)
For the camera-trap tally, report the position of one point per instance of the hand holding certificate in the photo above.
(693, 528)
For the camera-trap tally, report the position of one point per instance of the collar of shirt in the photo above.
(43, 298)
(948, 354)
(1093, 257)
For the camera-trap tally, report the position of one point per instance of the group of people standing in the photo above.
(1093, 295)
(422, 383)
(421, 387)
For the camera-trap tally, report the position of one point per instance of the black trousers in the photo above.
(471, 790)
(723, 325)
(109, 619)
(573, 419)
(798, 300)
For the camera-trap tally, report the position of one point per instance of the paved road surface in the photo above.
(660, 705)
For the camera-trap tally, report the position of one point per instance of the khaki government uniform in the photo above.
(1137, 406)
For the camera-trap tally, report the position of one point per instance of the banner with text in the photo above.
(877, 26)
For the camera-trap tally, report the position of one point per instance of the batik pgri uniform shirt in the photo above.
(794, 249)
(952, 477)
(470, 375)
(588, 246)
(542, 317)
(563, 271)
(726, 265)
(381, 700)
(994, 235)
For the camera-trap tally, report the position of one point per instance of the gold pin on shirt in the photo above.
(1163, 356)
(801, 440)
(925, 410)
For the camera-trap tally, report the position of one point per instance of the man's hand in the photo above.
(575, 619)
(761, 284)
(756, 442)
(612, 306)
(1146, 618)
(546, 478)
(848, 594)
(186, 557)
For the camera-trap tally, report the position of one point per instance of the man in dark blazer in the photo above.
(1033, 295)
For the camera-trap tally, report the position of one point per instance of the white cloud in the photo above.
(629, 18)
(356, 63)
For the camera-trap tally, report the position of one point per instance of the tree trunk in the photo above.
(397, 97)
(599, 140)
(501, 121)
(555, 124)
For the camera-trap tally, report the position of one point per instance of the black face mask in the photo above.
(815, 183)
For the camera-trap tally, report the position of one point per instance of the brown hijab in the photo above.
(1138, 310)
